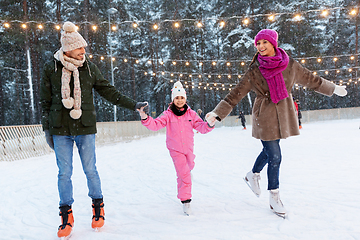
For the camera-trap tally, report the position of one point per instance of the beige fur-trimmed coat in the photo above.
(272, 121)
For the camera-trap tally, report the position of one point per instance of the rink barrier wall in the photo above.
(21, 142)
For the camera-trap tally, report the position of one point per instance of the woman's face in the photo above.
(179, 101)
(265, 48)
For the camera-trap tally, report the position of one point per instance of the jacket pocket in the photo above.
(88, 117)
(55, 116)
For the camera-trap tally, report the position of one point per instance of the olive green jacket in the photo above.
(56, 118)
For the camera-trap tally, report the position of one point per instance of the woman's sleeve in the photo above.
(306, 78)
(226, 105)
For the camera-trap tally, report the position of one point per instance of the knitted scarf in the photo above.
(178, 112)
(70, 67)
(271, 68)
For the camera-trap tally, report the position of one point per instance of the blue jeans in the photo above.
(271, 155)
(63, 146)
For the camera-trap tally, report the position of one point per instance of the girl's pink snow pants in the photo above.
(183, 163)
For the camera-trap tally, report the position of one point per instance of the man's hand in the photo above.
(144, 106)
(49, 139)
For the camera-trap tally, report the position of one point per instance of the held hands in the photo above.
(211, 118)
(143, 109)
(340, 90)
(49, 139)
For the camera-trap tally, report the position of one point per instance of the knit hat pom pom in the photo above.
(68, 103)
(69, 27)
(75, 114)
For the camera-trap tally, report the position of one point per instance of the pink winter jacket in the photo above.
(179, 129)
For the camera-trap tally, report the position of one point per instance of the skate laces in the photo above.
(276, 196)
(256, 177)
(97, 210)
(65, 217)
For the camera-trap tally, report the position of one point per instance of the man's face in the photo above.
(77, 54)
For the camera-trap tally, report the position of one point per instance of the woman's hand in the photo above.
(340, 90)
(211, 118)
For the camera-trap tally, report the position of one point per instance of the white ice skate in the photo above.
(275, 203)
(187, 209)
(252, 180)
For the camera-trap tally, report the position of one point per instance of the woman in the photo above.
(271, 75)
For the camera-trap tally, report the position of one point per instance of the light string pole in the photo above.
(111, 11)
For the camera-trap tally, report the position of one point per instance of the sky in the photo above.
(319, 187)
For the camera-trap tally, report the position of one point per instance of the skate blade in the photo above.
(247, 183)
(282, 215)
(65, 238)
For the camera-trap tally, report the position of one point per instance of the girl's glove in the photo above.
(340, 90)
(211, 118)
(49, 139)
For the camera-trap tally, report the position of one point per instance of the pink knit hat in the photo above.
(70, 38)
(267, 34)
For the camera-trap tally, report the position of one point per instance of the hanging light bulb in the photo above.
(297, 17)
(324, 13)
(246, 21)
(271, 18)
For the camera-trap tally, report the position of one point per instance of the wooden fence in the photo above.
(20, 142)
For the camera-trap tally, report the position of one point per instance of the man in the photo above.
(68, 116)
(242, 118)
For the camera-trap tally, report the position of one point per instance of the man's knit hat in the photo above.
(70, 38)
(177, 90)
(267, 34)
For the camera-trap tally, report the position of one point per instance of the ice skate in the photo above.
(275, 203)
(67, 220)
(252, 180)
(187, 209)
(98, 218)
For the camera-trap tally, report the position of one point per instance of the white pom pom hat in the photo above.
(70, 38)
(178, 90)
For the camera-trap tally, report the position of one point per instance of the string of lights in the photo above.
(246, 19)
(214, 62)
(352, 11)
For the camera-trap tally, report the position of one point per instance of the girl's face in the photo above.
(179, 101)
(265, 48)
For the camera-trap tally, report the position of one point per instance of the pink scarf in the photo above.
(271, 68)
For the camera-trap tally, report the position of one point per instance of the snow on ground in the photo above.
(319, 186)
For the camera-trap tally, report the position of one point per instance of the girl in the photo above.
(271, 75)
(179, 121)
